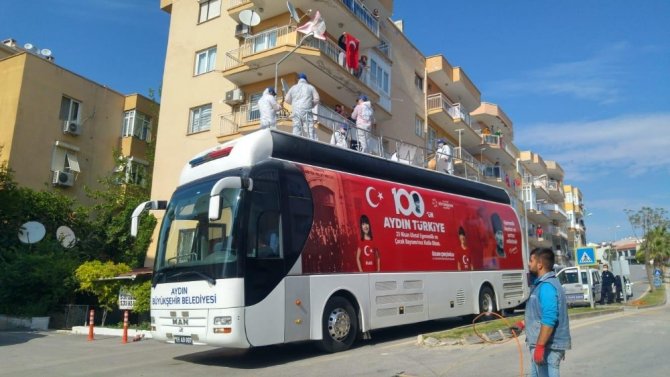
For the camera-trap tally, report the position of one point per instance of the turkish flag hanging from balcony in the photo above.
(352, 51)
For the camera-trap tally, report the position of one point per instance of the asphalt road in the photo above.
(629, 343)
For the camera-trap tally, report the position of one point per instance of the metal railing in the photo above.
(232, 58)
(455, 110)
(328, 122)
(546, 207)
(268, 39)
(363, 14)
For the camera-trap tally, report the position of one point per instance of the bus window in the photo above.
(267, 236)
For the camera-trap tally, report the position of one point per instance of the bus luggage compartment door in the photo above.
(297, 319)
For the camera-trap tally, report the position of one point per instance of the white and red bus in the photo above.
(273, 238)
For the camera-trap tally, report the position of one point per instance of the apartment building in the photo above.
(574, 208)
(217, 67)
(59, 130)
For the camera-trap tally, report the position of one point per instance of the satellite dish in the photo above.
(45, 52)
(28, 46)
(249, 17)
(284, 86)
(31, 232)
(65, 236)
(292, 11)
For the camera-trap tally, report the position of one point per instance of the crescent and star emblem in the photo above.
(367, 250)
(369, 196)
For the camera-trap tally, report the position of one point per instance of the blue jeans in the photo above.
(551, 366)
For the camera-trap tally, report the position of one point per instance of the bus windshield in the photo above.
(191, 244)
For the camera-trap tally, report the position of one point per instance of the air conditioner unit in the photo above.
(234, 97)
(71, 127)
(63, 178)
(242, 31)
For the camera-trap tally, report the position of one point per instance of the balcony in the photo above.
(540, 185)
(557, 231)
(493, 116)
(340, 15)
(555, 190)
(452, 118)
(499, 149)
(554, 170)
(533, 163)
(535, 214)
(465, 164)
(255, 60)
(497, 176)
(453, 81)
(554, 212)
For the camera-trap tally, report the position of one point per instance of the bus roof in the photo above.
(263, 144)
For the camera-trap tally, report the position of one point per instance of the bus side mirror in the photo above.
(148, 205)
(224, 183)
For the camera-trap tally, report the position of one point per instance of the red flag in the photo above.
(352, 51)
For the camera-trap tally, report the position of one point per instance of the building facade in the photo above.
(222, 54)
(59, 130)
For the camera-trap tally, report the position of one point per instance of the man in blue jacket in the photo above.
(546, 320)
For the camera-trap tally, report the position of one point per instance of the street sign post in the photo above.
(126, 300)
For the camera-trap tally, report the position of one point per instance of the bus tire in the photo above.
(340, 325)
(487, 302)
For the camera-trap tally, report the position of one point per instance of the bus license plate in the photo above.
(180, 339)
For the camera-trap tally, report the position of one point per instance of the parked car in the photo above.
(579, 284)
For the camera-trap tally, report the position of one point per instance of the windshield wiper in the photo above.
(209, 279)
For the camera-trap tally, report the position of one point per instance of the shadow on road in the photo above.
(8, 338)
(264, 357)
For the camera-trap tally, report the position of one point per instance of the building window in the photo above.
(205, 61)
(200, 119)
(69, 110)
(137, 124)
(418, 126)
(136, 172)
(568, 197)
(209, 9)
(64, 158)
(432, 135)
(418, 82)
(379, 76)
(254, 112)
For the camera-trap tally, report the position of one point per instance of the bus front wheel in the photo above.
(340, 325)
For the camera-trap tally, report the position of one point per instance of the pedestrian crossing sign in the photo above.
(586, 256)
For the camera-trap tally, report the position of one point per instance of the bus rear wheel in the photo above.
(487, 302)
(340, 325)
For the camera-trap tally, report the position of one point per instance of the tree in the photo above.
(91, 277)
(657, 244)
(36, 279)
(646, 221)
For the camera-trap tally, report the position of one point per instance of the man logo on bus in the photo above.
(408, 203)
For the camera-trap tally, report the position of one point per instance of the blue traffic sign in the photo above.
(657, 272)
(657, 281)
(586, 256)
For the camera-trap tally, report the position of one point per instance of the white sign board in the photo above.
(621, 267)
(126, 300)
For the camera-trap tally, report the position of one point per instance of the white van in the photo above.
(579, 283)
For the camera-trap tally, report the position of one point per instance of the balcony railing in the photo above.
(455, 110)
(329, 121)
(496, 172)
(554, 208)
(363, 14)
(268, 39)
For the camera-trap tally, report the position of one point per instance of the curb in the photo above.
(83, 330)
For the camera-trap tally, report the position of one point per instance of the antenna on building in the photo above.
(30, 47)
(250, 17)
(45, 52)
(31, 232)
(65, 236)
(292, 11)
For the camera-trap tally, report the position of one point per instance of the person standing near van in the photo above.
(607, 278)
(546, 319)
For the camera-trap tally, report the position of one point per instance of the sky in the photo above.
(585, 82)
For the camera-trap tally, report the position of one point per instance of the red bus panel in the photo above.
(367, 225)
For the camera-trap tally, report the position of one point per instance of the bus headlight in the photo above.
(223, 321)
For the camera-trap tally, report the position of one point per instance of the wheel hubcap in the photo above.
(487, 303)
(339, 324)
